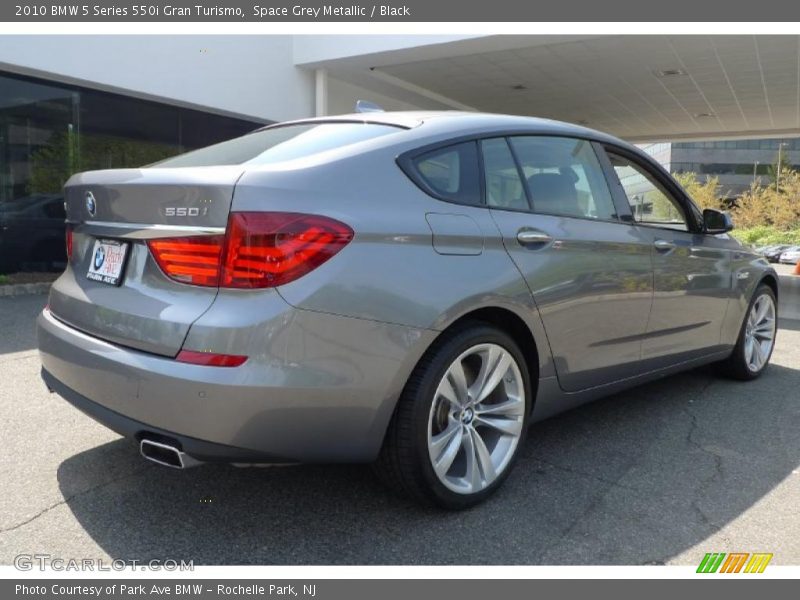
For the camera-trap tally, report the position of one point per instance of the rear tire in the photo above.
(460, 421)
(750, 356)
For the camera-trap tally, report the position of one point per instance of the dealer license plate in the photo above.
(108, 261)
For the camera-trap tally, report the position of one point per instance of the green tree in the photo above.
(706, 194)
(767, 211)
(69, 153)
(779, 167)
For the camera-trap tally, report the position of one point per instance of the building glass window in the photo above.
(49, 131)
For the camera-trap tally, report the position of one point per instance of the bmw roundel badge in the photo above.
(99, 257)
(91, 204)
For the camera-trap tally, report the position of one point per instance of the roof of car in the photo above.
(462, 122)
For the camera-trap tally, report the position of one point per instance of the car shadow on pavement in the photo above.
(633, 479)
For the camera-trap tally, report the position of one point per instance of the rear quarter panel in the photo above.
(391, 271)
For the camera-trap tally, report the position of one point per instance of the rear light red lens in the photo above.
(192, 260)
(209, 359)
(69, 243)
(271, 249)
(259, 250)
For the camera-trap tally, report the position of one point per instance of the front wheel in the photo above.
(756, 338)
(460, 421)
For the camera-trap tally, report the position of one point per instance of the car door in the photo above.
(692, 270)
(589, 272)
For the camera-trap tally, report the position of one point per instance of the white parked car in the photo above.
(790, 256)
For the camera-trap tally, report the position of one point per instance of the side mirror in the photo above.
(716, 221)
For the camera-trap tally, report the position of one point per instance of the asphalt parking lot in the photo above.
(660, 474)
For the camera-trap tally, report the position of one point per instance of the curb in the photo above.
(23, 289)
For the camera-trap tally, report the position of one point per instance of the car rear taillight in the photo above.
(259, 250)
(271, 249)
(194, 260)
(69, 243)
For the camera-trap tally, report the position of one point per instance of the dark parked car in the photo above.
(773, 253)
(406, 289)
(32, 234)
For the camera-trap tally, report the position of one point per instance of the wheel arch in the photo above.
(524, 327)
(398, 455)
(534, 348)
(512, 324)
(770, 280)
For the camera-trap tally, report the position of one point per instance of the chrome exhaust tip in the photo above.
(166, 455)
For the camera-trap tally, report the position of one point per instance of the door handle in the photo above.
(663, 245)
(528, 237)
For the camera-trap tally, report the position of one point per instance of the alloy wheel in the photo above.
(759, 335)
(476, 418)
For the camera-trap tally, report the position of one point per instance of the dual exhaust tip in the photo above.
(169, 455)
(166, 455)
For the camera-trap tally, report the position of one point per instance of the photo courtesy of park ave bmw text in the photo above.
(314, 300)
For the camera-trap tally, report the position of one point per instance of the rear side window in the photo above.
(451, 173)
(564, 177)
(279, 144)
(504, 187)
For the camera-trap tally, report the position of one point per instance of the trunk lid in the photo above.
(146, 310)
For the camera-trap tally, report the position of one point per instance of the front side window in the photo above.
(451, 173)
(564, 177)
(650, 203)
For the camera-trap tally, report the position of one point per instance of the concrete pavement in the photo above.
(661, 474)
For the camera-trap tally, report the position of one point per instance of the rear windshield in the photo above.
(278, 144)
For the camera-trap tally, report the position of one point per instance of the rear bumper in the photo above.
(322, 390)
(130, 428)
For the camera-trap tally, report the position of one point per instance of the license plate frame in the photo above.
(108, 261)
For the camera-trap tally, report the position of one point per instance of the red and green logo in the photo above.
(734, 562)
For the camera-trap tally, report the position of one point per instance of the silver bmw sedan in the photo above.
(410, 290)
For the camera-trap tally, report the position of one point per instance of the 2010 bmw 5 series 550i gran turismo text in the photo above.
(407, 289)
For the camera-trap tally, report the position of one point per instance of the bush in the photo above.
(763, 212)
(705, 194)
(768, 206)
(766, 235)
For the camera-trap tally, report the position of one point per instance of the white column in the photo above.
(321, 86)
